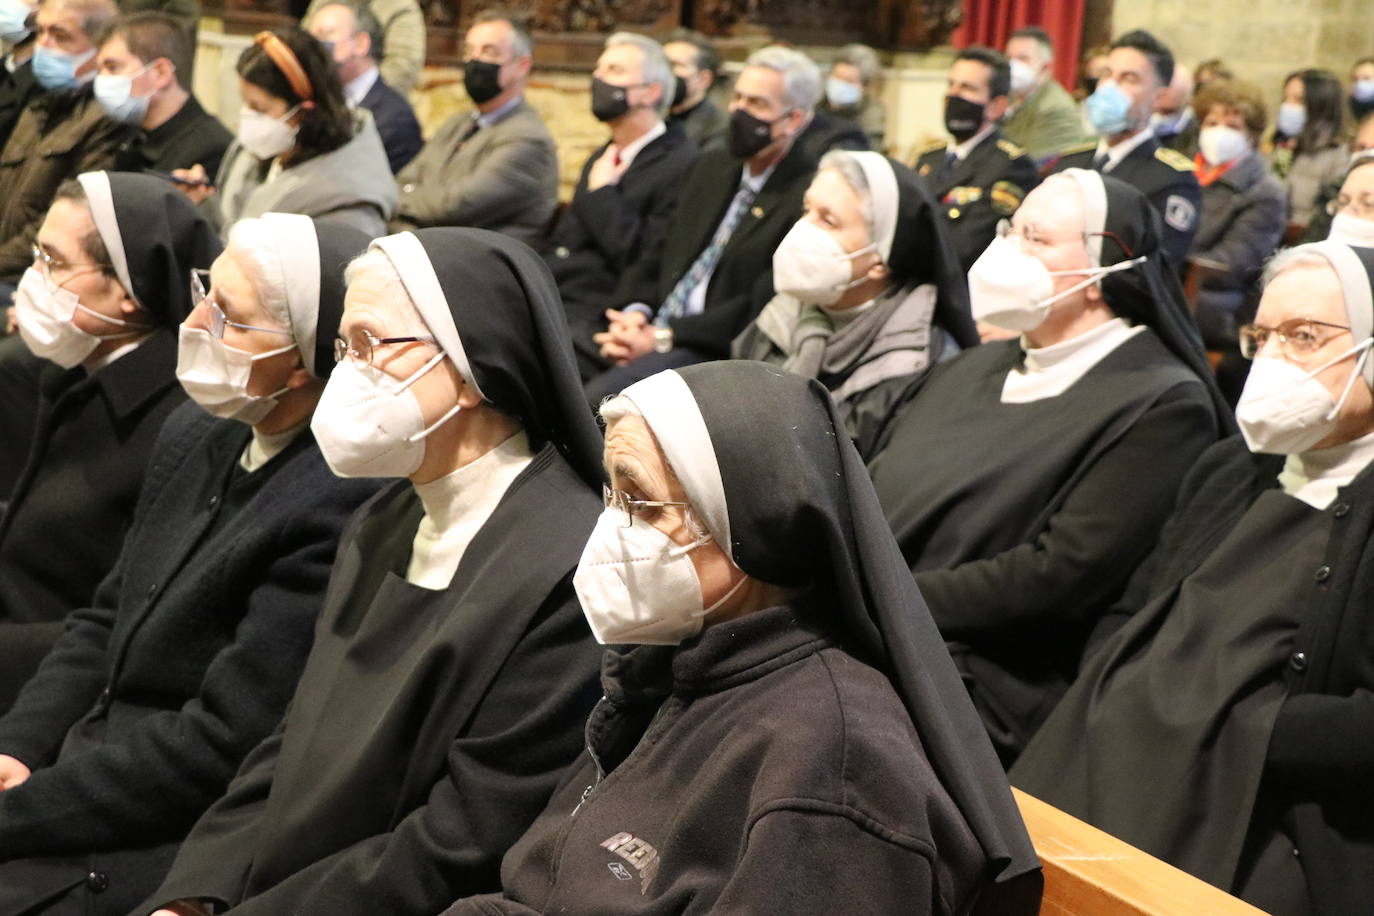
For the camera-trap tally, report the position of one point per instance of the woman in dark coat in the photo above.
(781, 731)
(1226, 727)
(1027, 478)
(184, 661)
(452, 666)
(123, 246)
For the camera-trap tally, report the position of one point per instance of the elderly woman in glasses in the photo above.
(1226, 726)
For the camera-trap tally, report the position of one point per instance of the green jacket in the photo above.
(1046, 123)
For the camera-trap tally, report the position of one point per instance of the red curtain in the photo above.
(989, 22)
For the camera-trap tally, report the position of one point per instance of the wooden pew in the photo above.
(1091, 873)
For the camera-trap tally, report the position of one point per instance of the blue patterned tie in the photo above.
(675, 306)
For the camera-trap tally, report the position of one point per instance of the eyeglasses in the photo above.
(634, 508)
(363, 343)
(1358, 206)
(202, 292)
(1298, 337)
(1034, 236)
(50, 264)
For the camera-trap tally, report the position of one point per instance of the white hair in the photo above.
(843, 162)
(801, 78)
(655, 69)
(251, 244)
(861, 57)
(1300, 256)
(403, 318)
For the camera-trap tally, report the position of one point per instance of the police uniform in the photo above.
(977, 192)
(1164, 176)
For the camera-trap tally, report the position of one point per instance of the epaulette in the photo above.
(1175, 160)
(930, 147)
(1089, 146)
(1011, 149)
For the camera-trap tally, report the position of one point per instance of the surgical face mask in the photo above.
(1013, 290)
(637, 586)
(842, 94)
(216, 376)
(265, 136)
(1221, 144)
(1284, 410)
(1363, 90)
(45, 312)
(370, 425)
(1022, 77)
(56, 70)
(115, 93)
(1291, 119)
(810, 265)
(1109, 109)
(1352, 230)
(14, 17)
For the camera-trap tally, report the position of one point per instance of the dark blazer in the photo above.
(74, 500)
(743, 278)
(138, 718)
(190, 136)
(706, 125)
(17, 89)
(828, 131)
(396, 123)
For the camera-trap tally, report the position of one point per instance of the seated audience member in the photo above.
(402, 39)
(980, 177)
(696, 64)
(1211, 69)
(63, 131)
(628, 187)
(1175, 125)
(1361, 98)
(1320, 226)
(299, 147)
(496, 168)
(1092, 68)
(1352, 223)
(1043, 119)
(1225, 726)
(143, 710)
(139, 84)
(452, 668)
(1027, 478)
(869, 295)
(709, 272)
(17, 82)
(1309, 152)
(781, 730)
(100, 306)
(1139, 67)
(352, 36)
(849, 92)
(1244, 212)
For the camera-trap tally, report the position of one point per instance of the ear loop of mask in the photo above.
(137, 326)
(701, 541)
(414, 376)
(257, 356)
(1363, 349)
(1097, 273)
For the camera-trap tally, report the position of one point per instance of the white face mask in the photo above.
(1285, 410)
(1221, 144)
(370, 425)
(45, 312)
(1352, 230)
(1013, 290)
(810, 265)
(264, 136)
(115, 93)
(216, 376)
(637, 586)
(1022, 77)
(842, 94)
(1291, 119)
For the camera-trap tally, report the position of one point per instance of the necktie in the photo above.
(951, 160)
(676, 304)
(468, 131)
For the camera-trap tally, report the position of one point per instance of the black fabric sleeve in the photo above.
(711, 330)
(617, 227)
(1324, 740)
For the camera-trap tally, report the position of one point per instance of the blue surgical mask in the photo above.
(56, 70)
(1109, 108)
(842, 94)
(14, 18)
(1291, 119)
(115, 93)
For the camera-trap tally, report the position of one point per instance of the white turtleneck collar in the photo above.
(1314, 476)
(1048, 372)
(457, 505)
(263, 447)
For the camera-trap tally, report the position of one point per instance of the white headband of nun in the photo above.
(1355, 291)
(1094, 192)
(417, 275)
(675, 419)
(101, 199)
(292, 262)
(883, 194)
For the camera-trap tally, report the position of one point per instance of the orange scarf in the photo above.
(1206, 174)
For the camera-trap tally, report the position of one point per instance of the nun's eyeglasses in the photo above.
(1298, 337)
(51, 264)
(201, 292)
(1036, 237)
(634, 508)
(364, 344)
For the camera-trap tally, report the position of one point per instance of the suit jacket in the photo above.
(705, 125)
(138, 718)
(395, 122)
(190, 136)
(601, 232)
(1046, 122)
(743, 278)
(828, 131)
(504, 177)
(17, 89)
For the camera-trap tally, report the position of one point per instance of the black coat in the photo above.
(706, 125)
(828, 132)
(191, 136)
(138, 718)
(17, 89)
(395, 121)
(75, 498)
(429, 727)
(743, 278)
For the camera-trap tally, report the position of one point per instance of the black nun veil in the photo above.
(817, 523)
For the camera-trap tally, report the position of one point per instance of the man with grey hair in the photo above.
(849, 92)
(628, 187)
(704, 279)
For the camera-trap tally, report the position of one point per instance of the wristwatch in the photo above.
(663, 340)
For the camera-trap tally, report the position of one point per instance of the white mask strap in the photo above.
(115, 321)
(726, 597)
(1363, 346)
(422, 434)
(257, 356)
(1095, 274)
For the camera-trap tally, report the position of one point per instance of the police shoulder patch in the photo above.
(1011, 149)
(1175, 160)
(1180, 212)
(925, 149)
(1006, 197)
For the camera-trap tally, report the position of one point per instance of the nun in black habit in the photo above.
(869, 292)
(1228, 726)
(452, 667)
(1027, 478)
(104, 389)
(784, 732)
